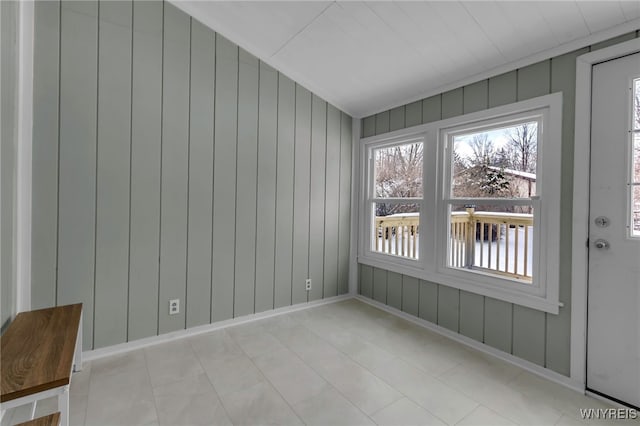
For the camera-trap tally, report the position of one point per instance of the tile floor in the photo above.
(346, 363)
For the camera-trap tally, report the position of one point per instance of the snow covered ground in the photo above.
(493, 255)
(489, 255)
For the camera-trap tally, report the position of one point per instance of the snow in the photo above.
(488, 254)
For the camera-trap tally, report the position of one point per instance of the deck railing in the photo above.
(493, 241)
(398, 234)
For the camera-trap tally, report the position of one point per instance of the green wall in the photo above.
(535, 336)
(169, 163)
(8, 85)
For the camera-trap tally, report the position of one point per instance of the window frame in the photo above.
(632, 184)
(369, 198)
(543, 293)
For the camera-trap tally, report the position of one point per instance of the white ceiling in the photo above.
(365, 57)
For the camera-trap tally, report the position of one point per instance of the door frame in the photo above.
(581, 186)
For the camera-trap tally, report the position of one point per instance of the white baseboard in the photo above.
(519, 362)
(194, 331)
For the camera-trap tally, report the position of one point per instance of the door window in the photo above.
(634, 184)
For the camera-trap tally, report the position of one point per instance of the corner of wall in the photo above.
(9, 73)
(356, 127)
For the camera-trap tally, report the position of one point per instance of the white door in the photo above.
(613, 360)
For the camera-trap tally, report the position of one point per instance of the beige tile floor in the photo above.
(345, 363)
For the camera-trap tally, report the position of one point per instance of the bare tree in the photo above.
(460, 163)
(398, 173)
(522, 147)
(484, 152)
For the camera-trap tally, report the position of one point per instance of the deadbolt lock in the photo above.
(602, 221)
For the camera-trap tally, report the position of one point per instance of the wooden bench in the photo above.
(50, 420)
(39, 351)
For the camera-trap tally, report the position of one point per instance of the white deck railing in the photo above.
(494, 241)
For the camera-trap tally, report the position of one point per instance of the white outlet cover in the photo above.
(174, 306)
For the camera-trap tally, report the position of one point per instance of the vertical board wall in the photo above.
(535, 336)
(169, 163)
(9, 72)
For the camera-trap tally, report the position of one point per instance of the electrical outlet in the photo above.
(174, 306)
(307, 284)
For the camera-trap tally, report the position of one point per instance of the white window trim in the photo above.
(630, 170)
(368, 189)
(431, 265)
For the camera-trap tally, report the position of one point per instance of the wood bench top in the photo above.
(50, 420)
(37, 350)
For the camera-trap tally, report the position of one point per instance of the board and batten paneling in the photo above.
(200, 201)
(248, 75)
(563, 71)
(452, 103)
(331, 207)
(368, 126)
(284, 192)
(394, 290)
(382, 122)
(449, 308)
(432, 109)
(44, 213)
(112, 174)
(344, 215)
(146, 136)
(413, 114)
(472, 315)
(316, 193)
(174, 172)
(410, 295)
(266, 210)
(380, 285)
(301, 182)
(528, 334)
(428, 301)
(77, 144)
(224, 178)
(366, 281)
(397, 118)
(169, 163)
(8, 131)
(535, 336)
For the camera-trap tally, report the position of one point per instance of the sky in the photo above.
(462, 142)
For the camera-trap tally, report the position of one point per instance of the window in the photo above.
(634, 169)
(470, 202)
(396, 197)
(490, 197)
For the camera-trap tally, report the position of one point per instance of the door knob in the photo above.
(601, 244)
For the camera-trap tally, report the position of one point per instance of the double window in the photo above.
(471, 202)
